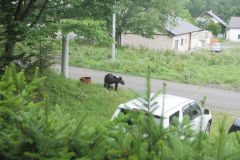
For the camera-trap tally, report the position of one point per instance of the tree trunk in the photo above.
(10, 42)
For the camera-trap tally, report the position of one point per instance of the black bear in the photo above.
(111, 79)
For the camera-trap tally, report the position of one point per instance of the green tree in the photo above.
(215, 28)
(196, 7)
(140, 17)
(29, 128)
(25, 21)
(34, 22)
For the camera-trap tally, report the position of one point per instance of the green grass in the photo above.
(99, 104)
(80, 99)
(201, 67)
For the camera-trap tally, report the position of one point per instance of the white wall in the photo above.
(195, 40)
(162, 42)
(232, 35)
(181, 42)
(159, 42)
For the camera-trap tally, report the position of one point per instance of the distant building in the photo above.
(209, 15)
(181, 37)
(233, 33)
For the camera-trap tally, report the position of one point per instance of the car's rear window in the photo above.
(127, 111)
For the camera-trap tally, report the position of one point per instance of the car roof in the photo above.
(170, 102)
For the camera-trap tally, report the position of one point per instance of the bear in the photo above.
(111, 79)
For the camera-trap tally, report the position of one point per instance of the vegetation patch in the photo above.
(79, 99)
(200, 67)
(98, 103)
(36, 126)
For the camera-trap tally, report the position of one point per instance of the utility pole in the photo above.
(65, 55)
(113, 37)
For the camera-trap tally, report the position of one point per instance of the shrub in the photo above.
(214, 27)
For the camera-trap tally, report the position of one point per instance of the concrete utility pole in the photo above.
(65, 55)
(113, 36)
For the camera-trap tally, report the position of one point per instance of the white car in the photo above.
(217, 47)
(174, 107)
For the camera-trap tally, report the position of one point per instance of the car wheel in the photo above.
(207, 130)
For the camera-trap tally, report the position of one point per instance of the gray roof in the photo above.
(234, 22)
(181, 27)
(210, 13)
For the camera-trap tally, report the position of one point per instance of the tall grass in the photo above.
(200, 67)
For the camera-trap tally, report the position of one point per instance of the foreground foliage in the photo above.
(31, 129)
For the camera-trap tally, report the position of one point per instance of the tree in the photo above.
(24, 20)
(17, 17)
(140, 17)
(34, 21)
(214, 27)
(196, 7)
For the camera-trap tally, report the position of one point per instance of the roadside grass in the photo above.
(79, 99)
(98, 103)
(220, 117)
(199, 67)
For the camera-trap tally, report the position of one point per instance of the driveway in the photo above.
(219, 99)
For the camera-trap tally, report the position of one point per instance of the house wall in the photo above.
(181, 43)
(162, 42)
(195, 42)
(233, 35)
(159, 42)
(186, 42)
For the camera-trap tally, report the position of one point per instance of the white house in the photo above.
(233, 33)
(181, 37)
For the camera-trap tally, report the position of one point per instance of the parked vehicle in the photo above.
(217, 47)
(174, 107)
(235, 126)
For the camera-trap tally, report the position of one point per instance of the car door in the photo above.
(193, 111)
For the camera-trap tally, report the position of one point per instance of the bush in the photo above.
(31, 129)
(214, 27)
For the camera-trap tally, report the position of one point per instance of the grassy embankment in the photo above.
(200, 67)
(98, 103)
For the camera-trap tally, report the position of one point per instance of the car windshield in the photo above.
(134, 112)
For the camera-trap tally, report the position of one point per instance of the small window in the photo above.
(181, 41)
(239, 36)
(173, 119)
(186, 111)
(195, 110)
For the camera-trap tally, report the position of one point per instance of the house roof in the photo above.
(210, 13)
(234, 22)
(181, 27)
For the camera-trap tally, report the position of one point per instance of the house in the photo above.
(208, 16)
(181, 37)
(233, 33)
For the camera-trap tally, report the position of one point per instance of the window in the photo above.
(176, 45)
(186, 111)
(193, 111)
(173, 119)
(181, 41)
(239, 36)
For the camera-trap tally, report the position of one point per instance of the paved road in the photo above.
(218, 99)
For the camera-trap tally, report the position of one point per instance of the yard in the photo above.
(199, 67)
(98, 103)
